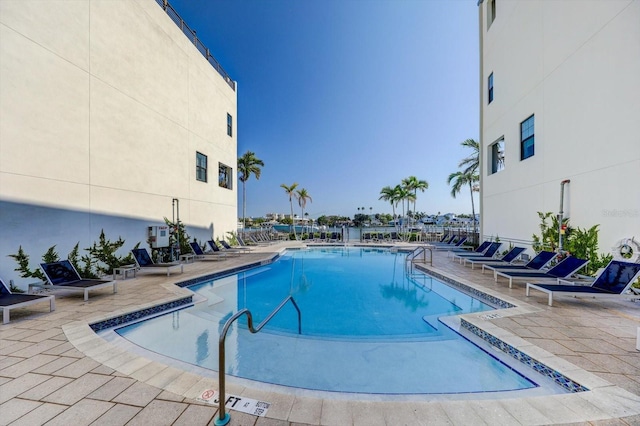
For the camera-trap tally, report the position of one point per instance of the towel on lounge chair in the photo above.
(145, 263)
(63, 275)
(614, 280)
(9, 301)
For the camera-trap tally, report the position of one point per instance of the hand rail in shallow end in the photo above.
(223, 417)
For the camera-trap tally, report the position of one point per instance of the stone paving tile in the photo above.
(9, 347)
(139, 394)
(55, 365)
(170, 396)
(103, 369)
(19, 385)
(118, 415)
(265, 421)
(112, 388)
(44, 335)
(601, 347)
(8, 361)
(42, 414)
(77, 389)
(36, 348)
(4, 380)
(158, 413)
(78, 368)
(45, 388)
(23, 334)
(74, 353)
(15, 408)
(459, 414)
(306, 410)
(196, 415)
(84, 412)
(60, 349)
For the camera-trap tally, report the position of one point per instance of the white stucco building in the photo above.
(109, 112)
(560, 100)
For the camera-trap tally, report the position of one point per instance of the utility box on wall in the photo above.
(158, 236)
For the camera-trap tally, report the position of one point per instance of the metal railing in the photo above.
(223, 417)
(191, 35)
(414, 257)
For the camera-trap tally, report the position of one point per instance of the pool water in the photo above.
(368, 326)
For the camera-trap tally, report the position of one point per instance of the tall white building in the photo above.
(110, 117)
(560, 101)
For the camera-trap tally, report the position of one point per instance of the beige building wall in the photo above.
(576, 66)
(103, 105)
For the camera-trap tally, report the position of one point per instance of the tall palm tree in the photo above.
(471, 163)
(414, 184)
(460, 179)
(302, 195)
(248, 164)
(290, 190)
(388, 194)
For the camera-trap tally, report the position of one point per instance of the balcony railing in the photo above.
(191, 35)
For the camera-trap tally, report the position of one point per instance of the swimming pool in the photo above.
(368, 326)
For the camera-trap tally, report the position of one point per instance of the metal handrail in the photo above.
(421, 250)
(192, 36)
(223, 418)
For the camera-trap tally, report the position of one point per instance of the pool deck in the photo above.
(54, 370)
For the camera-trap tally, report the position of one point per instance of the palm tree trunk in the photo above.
(244, 204)
(473, 212)
(293, 223)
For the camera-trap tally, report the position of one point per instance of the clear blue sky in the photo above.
(345, 97)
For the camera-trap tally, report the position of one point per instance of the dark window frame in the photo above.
(496, 160)
(229, 125)
(527, 137)
(490, 87)
(201, 169)
(225, 176)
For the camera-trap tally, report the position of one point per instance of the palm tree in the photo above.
(302, 195)
(388, 194)
(248, 164)
(460, 179)
(413, 184)
(471, 163)
(290, 190)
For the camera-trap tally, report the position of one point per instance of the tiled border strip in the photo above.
(495, 301)
(226, 272)
(134, 316)
(538, 366)
(541, 368)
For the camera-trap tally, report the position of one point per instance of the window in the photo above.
(496, 151)
(491, 12)
(490, 86)
(224, 176)
(229, 125)
(527, 138)
(201, 167)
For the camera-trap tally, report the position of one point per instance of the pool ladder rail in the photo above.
(418, 255)
(224, 417)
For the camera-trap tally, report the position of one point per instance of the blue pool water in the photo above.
(367, 327)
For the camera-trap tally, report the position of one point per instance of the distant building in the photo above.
(109, 113)
(560, 92)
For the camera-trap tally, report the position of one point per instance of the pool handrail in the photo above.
(223, 418)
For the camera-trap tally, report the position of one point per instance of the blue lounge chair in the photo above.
(504, 260)
(540, 260)
(217, 250)
(201, 255)
(9, 301)
(63, 276)
(491, 250)
(614, 280)
(563, 269)
(477, 251)
(238, 249)
(145, 263)
(457, 246)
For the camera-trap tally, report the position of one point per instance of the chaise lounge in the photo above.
(9, 301)
(491, 250)
(62, 275)
(504, 260)
(613, 281)
(563, 269)
(538, 262)
(145, 263)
